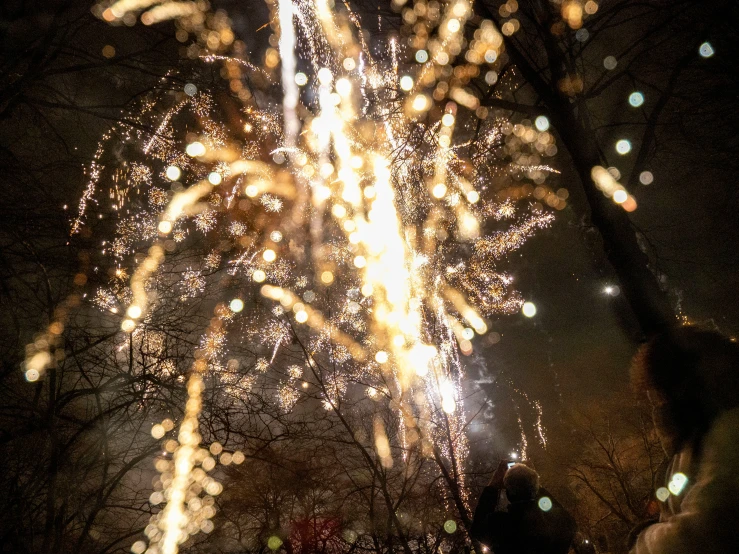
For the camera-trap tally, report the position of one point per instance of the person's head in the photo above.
(521, 483)
(690, 377)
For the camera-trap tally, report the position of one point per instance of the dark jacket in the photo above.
(525, 528)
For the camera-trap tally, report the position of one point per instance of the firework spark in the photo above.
(365, 212)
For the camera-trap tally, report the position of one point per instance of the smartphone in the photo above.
(511, 464)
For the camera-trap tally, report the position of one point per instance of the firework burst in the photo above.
(370, 211)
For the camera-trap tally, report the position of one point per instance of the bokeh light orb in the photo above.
(623, 147)
(706, 50)
(646, 178)
(636, 99)
(173, 173)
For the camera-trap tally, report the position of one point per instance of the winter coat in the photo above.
(702, 516)
(525, 528)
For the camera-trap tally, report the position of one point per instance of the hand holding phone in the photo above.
(497, 480)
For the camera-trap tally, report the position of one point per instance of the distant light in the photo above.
(528, 309)
(473, 196)
(215, 178)
(406, 82)
(360, 262)
(236, 305)
(259, 276)
(447, 120)
(195, 149)
(274, 542)
(158, 431)
(677, 483)
(612, 290)
(301, 79)
(134, 311)
(381, 357)
(32, 375)
(269, 255)
(173, 173)
(420, 102)
(662, 494)
(190, 89)
(491, 77)
(275, 236)
(542, 123)
(165, 227)
(620, 196)
(343, 87)
(636, 99)
(514, 455)
(439, 190)
(301, 316)
(706, 50)
(610, 62)
(623, 146)
(327, 277)
(325, 76)
(468, 334)
(545, 503)
(338, 210)
(646, 178)
(422, 56)
(128, 325)
(450, 526)
(582, 35)
(349, 64)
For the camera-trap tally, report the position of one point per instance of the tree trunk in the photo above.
(640, 286)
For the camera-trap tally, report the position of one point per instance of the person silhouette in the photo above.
(533, 522)
(691, 378)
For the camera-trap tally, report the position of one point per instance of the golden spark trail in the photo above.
(173, 519)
